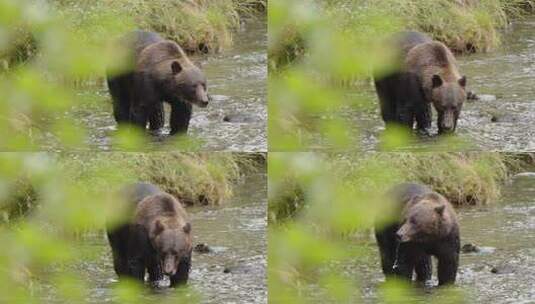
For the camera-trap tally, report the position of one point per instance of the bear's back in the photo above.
(157, 58)
(135, 193)
(142, 39)
(407, 40)
(160, 206)
(432, 58)
(405, 192)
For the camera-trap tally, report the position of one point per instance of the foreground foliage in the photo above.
(48, 200)
(319, 207)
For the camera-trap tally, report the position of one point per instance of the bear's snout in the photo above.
(447, 122)
(402, 235)
(169, 270)
(202, 96)
(169, 266)
(446, 130)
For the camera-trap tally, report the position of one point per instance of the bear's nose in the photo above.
(398, 236)
(169, 271)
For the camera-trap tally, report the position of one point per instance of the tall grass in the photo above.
(194, 178)
(463, 178)
(463, 25)
(312, 248)
(197, 25)
(57, 196)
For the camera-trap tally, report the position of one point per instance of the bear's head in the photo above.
(425, 218)
(172, 244)
(189, 83)
(448, 98)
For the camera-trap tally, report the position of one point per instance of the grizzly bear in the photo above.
(427, 74)
(155, 238)
(161, 72)
(425, 226)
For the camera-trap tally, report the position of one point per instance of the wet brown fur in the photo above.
(158, 235)
(161, 73)
(425, 226)
(427, 75)
(167, 210)
(157, 58)
(429, 224)
(432, 58)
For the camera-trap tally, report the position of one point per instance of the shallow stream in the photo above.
(233, 272)
(235, 120)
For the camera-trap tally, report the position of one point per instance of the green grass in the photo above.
(47, 201)
(197, 25)
(463, 178)
(194, 178)
(463, 25)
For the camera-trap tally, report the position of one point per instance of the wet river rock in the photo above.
(202, 248)
(502, 269)
(469, 248)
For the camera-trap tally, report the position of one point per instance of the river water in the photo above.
(505, 233)
(233, 272)
(237, 83)
(507, 73)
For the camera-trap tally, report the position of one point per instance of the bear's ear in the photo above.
(437, 81)
(158, 227)
(176, 67)
(462, 81)
(440, 209)
(187, 228)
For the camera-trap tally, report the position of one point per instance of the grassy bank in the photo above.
(48, 200)
(463, 178)
(463, 25)
(197, 25)
(194, 178)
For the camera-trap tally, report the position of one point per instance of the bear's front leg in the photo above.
(138, 249)
(182, 273)
(424, 116)
(405, 116)
(119, 90)
(156, 117)
(120, 263)
(154, 269)
(386, 239)
(180, 117)
(405, 261)
(138, 117)
(447, 268)
(144, 99)
(423, 268)
(386, 91)
(136, 268)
